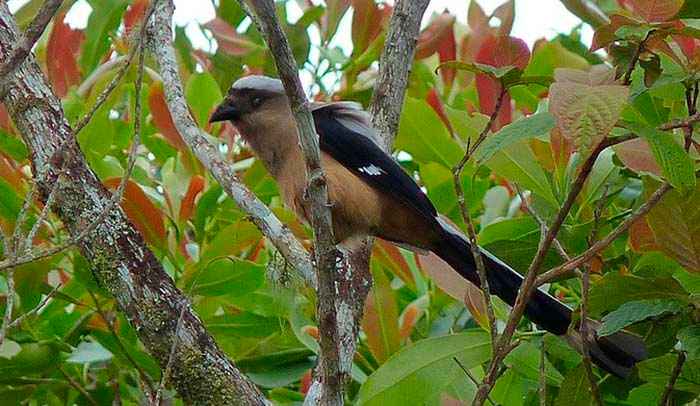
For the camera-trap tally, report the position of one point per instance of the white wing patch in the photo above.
(372, 170)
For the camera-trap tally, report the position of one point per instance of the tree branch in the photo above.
(395, 67)
(30, 37)
(209, 156)
(666, 397)
(327, 255)
(121, 261)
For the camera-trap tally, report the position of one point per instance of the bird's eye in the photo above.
(256, 102)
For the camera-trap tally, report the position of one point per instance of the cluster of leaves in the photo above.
(422, 324)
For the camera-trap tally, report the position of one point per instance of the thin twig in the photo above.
(471, 232)
(9, 304)
(666, 397)
(29, 38)
(75, 384)
(171, 358)
(113, 331)
(604, 243)
(635, 58)
(43, 215)
(16, 322)
(471, 377)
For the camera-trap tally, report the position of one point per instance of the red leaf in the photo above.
(141, 211)
(411, 314)
(605, 34)
(504, 51)
(476, 17)
(434, 101)
(447, 51)
(134, 15)
(61, 52)
(229, 40)
(499, 52)
(366, 24)
(305, 382)
(162, 118)
(391, 257)
(10, 172)
(5, 122)
(642, 237)
(506, 13)
(637, 156)
(187, 204)
(335, 10)
(431, 37)
(654, 11)
(380, 321)
(562, 148)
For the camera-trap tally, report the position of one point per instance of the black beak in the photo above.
(226, 111)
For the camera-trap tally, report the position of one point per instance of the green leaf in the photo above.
(203, 94)
(244, 324)
(657, 371)
(228, 276)
(518, 164)
(525, 359)
(613, 290)
(510, 389)
(520, 130)
(690, 340)
(103, 23)
(10, 203)
(679, 238)
(88, 352)
(424, 136)
(636, 311)
(13, 147)
(575, 390)
(675, 163)
(421, 369)
(32, 359)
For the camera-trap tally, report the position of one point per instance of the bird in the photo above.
(371, 195)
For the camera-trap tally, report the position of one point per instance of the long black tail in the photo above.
(615, 353)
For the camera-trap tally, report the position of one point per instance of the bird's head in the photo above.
(249, 97)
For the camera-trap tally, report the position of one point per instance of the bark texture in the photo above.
(120, 259)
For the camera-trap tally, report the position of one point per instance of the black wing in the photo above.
(363, 157)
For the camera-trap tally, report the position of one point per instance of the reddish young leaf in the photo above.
(499, 52)
(476, 17)
(562, 148)
(654, 11)
(434, 101)
(642, 237)
(605, 34)
(61, 52)
(5, 122)
(504, 51)
(366, 24)
(162, 118)
(187, 205)
(229, 40)
(141, 211)
(391, 257)
(447, 51)
(381, 319)
(434, 34)
(335, 10)
(134, 15)
(10, 173)
(305, 382)
(637, 156)
(506, 13)
(410, 316)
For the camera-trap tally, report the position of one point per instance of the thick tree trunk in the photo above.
(121, 261)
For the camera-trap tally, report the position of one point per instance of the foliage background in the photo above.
(418, 319)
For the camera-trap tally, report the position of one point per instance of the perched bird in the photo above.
(370, 195)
